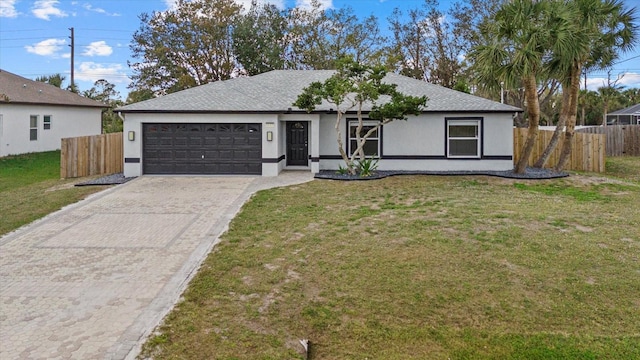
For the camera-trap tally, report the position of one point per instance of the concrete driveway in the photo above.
(92, 281)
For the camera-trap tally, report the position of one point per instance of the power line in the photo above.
(1, 31)
(21, 46)
(109, 30)
(57, 36)
(31, 38)
(631, 58)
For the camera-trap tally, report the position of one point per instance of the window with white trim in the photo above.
(46, 122)
(372, 145)
(463, 138)
(33, 127)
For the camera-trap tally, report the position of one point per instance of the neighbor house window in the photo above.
(46, 122)
(372, 145)
(33, 127)
(463, 138)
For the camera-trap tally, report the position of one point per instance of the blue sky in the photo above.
(34, 36)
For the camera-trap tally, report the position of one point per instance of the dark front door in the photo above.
(297, 143)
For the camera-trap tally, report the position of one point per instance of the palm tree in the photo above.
(604, 28)
(631, 97)
(516, 47)
(55, 79)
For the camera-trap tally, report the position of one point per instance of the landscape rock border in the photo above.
(113, 179)
(529, 174)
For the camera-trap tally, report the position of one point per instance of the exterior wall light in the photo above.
(269, 135)
(131, 135)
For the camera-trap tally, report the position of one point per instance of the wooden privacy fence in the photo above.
(621, 139)
(588, 150)
(91, 155)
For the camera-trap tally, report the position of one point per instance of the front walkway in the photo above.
(92, 280)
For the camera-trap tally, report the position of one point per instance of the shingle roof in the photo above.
(631, 110)
(15, 89)
(275, 91)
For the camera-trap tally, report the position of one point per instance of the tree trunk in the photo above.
(360, 150)
(347, 161)
(533, 108)
(571, 120)
(555, 139)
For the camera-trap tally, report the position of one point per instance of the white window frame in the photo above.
(352, 123)
(46, 122)
(465, 122)
(32, 128)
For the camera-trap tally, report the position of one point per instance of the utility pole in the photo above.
(72, 37)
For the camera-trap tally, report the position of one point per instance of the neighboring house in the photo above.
(34, 116)
(249, 126)
(628, 116)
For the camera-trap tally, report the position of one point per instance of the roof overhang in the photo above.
(278, 112)
(50, 104)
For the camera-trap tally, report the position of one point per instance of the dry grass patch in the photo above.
(419, 267)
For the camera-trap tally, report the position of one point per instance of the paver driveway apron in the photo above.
(92, 280)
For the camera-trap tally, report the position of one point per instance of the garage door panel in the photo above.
(180, 141)
(210, 140)
(225, 139)
(178, 155)
(196, 142)
(202, 149)
(255, 155)
(255, 142)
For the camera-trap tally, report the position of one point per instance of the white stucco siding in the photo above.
(431, 165)
(327, 134)
(418, 135)
(498, 135)
(419, 143)
(133, 122)
(65, 122)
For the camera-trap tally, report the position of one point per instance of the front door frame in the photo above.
(303, 158)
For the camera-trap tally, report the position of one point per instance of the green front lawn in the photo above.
(421, 267)
(625, 167)
(30, 188)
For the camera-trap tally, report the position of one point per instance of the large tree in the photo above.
(105, 92)
(516, 46)
(186, 46)
(604, 29)
(318, 38)
(352, 87)
(259, 39)
(408, 47)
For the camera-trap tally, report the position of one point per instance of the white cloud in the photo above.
(49, 47)
(99, 10)
(171, 4)
(306, 4)
(8, 9)
(44, 9)
(98, 48)
(247, 3)
(90, 71)
(626, 80)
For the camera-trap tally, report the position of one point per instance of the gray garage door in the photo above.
(202, 149)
